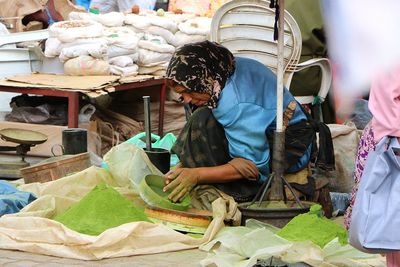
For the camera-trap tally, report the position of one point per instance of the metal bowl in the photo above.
(278, 217)
(151, 190)
(21, 136)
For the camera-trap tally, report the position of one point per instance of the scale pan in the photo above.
(21, 136)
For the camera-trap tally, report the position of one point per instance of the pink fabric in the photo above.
(365, 145)
(384, 104)
(393, 259)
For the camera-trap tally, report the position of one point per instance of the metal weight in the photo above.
(74, 141)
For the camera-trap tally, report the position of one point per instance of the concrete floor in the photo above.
(184, 258)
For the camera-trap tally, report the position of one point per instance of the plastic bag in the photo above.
(166, 142)
(128, 161)
(42, 114)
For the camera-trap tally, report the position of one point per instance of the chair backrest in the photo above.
(246, 28)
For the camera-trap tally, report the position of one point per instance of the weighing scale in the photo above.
(25, 140)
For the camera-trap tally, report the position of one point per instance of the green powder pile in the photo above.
(313, 226)
(101, 209)
(272, 205)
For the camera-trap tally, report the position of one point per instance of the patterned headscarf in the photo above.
(202, 67)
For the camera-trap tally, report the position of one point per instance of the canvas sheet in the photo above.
(33, 230)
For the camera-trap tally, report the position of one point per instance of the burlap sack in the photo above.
(21, 8)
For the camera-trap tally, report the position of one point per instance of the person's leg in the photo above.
(202, 143)
(365, 145)
(393, 259)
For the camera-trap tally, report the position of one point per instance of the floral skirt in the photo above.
(365, 145)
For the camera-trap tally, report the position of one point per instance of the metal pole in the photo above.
(280, 68)
(279, 135)
(147, 126)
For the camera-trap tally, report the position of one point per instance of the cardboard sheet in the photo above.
(64, 81)
(92, 86)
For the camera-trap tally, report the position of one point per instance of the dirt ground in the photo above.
(192, 258)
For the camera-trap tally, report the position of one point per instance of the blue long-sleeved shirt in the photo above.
(247, 110)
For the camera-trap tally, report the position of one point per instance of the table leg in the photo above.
(163, 92)
(73, 109)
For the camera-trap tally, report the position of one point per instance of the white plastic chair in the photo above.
(246, 28)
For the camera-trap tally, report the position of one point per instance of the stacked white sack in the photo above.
(121, 42)
(123, 50)
(80, 45)
(152, 23)
(193, 30)
(158, 43)
(112, 19)
(154, 54)
(137, 23)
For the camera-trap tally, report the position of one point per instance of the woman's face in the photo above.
(198, 99)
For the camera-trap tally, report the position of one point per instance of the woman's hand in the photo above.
(181, 180)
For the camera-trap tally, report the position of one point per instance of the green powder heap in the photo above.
(313, 226)
(101, 209)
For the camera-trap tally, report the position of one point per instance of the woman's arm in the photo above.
(182, 180)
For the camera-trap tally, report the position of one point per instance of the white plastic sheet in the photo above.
(243, 246)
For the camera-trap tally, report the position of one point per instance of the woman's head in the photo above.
(189, 97)
(201, 69)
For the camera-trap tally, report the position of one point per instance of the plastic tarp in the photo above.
(166, 143)
(243, 246)
(33, 230)
(11, 199)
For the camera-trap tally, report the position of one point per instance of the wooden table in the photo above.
(73, 97)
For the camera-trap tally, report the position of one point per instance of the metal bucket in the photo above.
(160, 158)
(278, 217)
(74, 141)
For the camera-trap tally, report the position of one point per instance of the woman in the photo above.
(384, 104)
(225, 142)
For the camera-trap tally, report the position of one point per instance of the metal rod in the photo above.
(279, 135)
(265, 190)
(278, 165)
(280, 67)
(147, 125)
(293, 193)
(8, 148)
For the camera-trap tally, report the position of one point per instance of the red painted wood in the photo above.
(73, 97)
